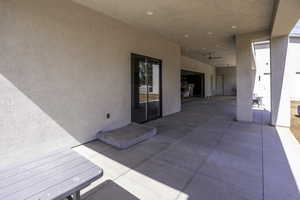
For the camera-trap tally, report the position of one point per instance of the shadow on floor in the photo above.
(109, 190)
(201, 153)
(278, 176)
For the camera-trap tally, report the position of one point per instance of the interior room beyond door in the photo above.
(192, 84)
(146, 88)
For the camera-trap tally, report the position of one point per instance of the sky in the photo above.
(296, 30)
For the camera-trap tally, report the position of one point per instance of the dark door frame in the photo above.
(133, 56)
(202, 75)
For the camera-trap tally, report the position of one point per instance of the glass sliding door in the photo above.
(154, 103)
(139, 89)
(146, 88)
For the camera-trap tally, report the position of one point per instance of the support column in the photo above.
(244, 78)
(280, 98)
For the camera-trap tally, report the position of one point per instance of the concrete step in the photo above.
(127, 136)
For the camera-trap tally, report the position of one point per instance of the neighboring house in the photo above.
(294, 67)
(263, 71)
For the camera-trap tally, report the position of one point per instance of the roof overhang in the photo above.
(286, 15)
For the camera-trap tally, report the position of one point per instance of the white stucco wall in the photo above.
(64, 66)
(197, 66)
(246, 73)
(280, 88)
(244, 78)
(229, 74)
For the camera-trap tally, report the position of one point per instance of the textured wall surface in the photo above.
(197, 66)
(280, 90)
(64, 66)
(244, 78)
(229, 74)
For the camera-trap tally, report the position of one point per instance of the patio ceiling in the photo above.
(286, 17)
(199, 26)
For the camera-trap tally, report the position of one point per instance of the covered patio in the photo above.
(72, 69)
(203, 153)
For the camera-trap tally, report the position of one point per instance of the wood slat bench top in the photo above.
(54, 176)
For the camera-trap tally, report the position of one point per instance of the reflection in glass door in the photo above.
(146, 88)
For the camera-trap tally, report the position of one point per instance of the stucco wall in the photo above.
(64, 66)
(197, 66)
(229, 74)
(280, 99)
(244, 77)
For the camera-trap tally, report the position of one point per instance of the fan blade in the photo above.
(216, 57)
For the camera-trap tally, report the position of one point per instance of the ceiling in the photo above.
(286, 17)
(198, 26)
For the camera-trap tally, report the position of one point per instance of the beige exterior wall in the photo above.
(64, 66)
(197, 66)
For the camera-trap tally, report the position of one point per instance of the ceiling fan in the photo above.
(211, 57)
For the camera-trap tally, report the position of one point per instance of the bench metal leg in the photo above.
(77, 196)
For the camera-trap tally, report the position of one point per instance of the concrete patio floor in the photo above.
(200, 153)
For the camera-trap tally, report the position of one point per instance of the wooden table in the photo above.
(56, 176)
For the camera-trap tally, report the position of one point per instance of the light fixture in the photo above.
(233, 27)
(149, 13)
(209, 33)
(186, 35)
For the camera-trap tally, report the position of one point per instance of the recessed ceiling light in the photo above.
(209, 33)
(150, 13)
(186, 35)
(233, 27)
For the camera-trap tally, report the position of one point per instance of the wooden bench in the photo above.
(56, 176)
